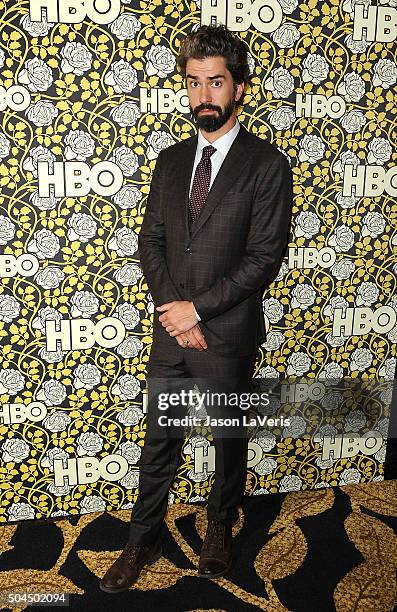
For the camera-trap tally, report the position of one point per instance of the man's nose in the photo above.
(205, 95)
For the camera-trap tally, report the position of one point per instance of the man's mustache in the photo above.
(206, 107)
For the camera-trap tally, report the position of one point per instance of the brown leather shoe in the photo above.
(216, 552)
(127, 567)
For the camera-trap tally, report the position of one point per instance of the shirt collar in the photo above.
(222, 143)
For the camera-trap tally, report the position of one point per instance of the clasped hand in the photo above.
(180, 321)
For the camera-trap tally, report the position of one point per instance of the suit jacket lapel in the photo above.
(231, 167)
(186, 167)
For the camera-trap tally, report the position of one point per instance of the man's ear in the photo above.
(239, 90)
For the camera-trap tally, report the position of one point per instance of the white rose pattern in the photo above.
(79, 143)
(160, 61)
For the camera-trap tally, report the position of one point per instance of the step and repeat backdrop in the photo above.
(90, 94)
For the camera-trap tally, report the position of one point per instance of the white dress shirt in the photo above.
(222, 146)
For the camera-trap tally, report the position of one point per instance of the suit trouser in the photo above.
(160, 456)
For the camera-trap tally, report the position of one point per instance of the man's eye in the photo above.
(219, 82)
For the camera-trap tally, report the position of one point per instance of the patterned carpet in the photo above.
(325, 550)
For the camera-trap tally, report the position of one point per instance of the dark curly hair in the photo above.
(211, 41)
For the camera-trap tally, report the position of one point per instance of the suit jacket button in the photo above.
(188, 251)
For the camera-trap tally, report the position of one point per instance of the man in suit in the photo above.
(215, 229)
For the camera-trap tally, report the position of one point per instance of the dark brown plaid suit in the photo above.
(236, 244)
(232, 251)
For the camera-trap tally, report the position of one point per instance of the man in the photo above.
(213, 236)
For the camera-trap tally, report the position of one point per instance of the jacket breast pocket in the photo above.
(240, 196)
(236, 206)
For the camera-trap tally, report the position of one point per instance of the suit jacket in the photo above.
(235, 246)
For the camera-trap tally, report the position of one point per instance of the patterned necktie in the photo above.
(201, 183)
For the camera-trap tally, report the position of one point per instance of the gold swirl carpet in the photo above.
(326, 550)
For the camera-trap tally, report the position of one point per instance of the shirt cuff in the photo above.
(196, 313)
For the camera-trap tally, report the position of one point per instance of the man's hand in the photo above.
(195, 338)
(178, 317)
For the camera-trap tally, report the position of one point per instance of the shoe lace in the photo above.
(214, 535)
(130, 552)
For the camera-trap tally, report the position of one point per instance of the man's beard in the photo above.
(214, 121)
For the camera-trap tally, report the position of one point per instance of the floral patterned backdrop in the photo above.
(76, 93)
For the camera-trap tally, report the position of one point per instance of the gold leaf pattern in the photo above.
(378, 499)
(34, 581)
(6, 534)
(282, 555)
(366, 588)
(373, 538)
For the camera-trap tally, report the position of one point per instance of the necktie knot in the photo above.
(207, 152)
